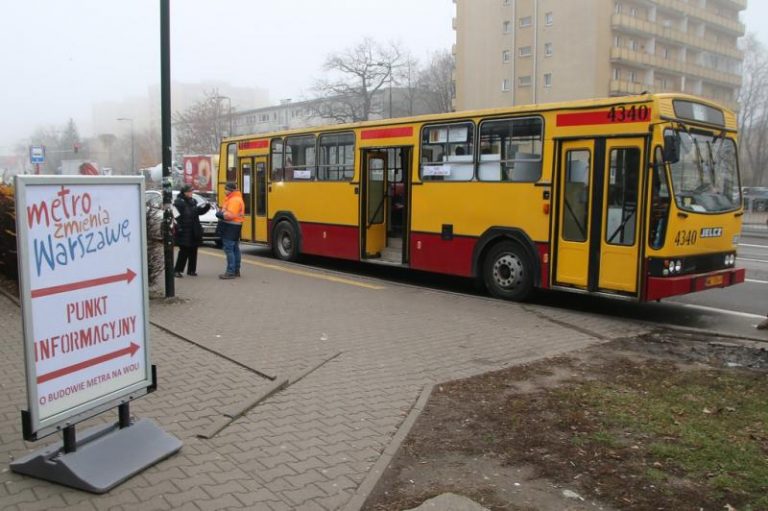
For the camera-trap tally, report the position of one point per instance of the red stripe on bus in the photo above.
(429, 252)
(254, 144)
(329, 240)
(387, 133)
(599, 117)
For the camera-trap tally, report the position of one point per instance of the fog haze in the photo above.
(59, 58)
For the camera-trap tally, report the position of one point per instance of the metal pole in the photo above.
(390, 90)
(165, 113)
(133, 152)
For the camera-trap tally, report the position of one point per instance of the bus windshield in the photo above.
(706, 178)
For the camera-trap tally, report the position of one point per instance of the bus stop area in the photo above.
(290, 387)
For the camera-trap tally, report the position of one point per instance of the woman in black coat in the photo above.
(189, 233)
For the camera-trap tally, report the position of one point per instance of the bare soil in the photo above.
(533, 437)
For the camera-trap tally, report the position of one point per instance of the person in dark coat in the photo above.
(189, 233)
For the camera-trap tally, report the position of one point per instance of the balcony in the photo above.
(735, 27)
(648, 28)
(623, 88)
(642, 59)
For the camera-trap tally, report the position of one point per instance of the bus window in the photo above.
(659, 203)
(299, 158)
(232, 162)
(575, 225)
(337, 157)
(621, 214)
(510, 150)
(277, 159)
(447, 152)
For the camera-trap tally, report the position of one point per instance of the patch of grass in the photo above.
(709, 427)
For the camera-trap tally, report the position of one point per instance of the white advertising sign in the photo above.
(82, 262)
(436, 170)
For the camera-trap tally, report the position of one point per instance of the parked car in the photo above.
(154, 201)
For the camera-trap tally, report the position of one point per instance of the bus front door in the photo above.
(597, 246)
(374, 204)
(246, 188)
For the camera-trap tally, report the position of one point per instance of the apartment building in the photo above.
(512, 52)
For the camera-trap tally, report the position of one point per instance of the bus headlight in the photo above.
(730, 259)
(678, 266)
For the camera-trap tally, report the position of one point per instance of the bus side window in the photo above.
(659, 202)
(232, 162)
(276, 161)
(449, 152)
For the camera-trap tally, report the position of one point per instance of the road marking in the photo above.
(752, 246)
(303, 273)
(722, 311)
(752, 260)
(756, 281)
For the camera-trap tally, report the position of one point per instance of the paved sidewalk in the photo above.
(374, 346)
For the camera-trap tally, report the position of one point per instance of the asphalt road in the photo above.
(735, 310)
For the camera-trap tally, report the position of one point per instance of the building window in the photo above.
(526, 21)
(507, 27)
(506, 56)
(548, 19)
(525, 51)
(547, 79)
(524, 81)
(506, 2)
(617, 42)
(617, 8)
(616, 74)
(632, 75)
(547, 49)
(505, 85)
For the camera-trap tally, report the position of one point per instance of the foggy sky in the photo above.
(57, 57)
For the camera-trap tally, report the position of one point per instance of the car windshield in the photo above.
(706, 177)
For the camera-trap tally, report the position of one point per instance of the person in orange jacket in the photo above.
(231, 216)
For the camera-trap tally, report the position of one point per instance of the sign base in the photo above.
(105, 457)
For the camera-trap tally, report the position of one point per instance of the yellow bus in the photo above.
(636, 197)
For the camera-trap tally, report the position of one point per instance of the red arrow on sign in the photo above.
(47, 291)
(130, 350)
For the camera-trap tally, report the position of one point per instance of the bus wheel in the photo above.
(285, 247)
(508, 272)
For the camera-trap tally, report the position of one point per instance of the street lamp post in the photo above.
(133, 162)
(229, 101)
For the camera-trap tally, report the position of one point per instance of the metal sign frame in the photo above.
(34, 426)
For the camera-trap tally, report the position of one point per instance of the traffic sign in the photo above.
(36, 154)
(82, 261)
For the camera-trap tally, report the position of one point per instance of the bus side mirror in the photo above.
(671, 148)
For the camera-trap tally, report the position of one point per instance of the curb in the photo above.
(369, 483)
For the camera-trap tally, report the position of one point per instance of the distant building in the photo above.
(511, 52)
(301, 114)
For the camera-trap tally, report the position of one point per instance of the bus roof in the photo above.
(535, 108)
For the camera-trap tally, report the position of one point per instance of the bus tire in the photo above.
(508, 271)
(285, 244)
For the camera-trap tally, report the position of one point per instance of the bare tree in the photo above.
(753, 116)
(358, 73)
(200, 128)
(436, 82)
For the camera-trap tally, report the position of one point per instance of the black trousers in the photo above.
(186, 254)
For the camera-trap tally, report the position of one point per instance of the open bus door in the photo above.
(374, 226)
(252, 179)
(598, 230)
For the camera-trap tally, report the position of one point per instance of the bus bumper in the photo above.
(663, 287)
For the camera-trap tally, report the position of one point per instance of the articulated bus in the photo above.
(635, 197)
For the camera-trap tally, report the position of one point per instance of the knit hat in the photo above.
(231, 186)
(185, 189)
